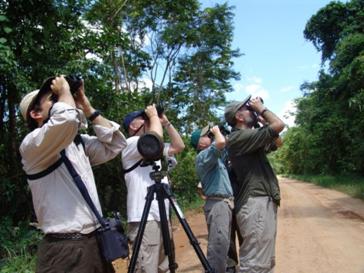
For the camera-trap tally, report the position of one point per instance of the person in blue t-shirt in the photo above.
(210, 168)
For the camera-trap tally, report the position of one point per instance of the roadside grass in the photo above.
(18, 246)
(23, 262)
(195, 205)
(351, 185)
(189, 201)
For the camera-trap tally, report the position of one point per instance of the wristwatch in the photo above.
(94, 115)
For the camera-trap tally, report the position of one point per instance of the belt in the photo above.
(219, 197)
(68, 236)
(229, 200)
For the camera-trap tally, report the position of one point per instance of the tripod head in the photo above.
(157, 175)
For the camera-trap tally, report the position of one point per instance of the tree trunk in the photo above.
(12, 135)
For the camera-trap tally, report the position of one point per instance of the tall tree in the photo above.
(116, 45)
(184, 52)
(330, 113)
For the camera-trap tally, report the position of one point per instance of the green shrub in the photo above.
(18, 246)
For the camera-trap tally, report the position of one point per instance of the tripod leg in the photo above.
(165, 228)
(193, 241)
(138, 240)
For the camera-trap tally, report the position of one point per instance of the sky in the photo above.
(277, 59)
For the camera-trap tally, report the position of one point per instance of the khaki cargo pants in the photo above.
(151, 257)
(218, 215)
(257, 222)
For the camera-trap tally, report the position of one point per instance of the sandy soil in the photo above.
(319, 231)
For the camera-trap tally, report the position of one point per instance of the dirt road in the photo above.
(319, 231)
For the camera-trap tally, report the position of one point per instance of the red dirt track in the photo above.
(319, 231)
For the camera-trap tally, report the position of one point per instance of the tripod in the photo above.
(163, 192)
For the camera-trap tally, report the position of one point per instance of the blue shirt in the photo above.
(212, 172)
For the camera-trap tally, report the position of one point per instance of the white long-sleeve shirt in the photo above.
(138, 181)
(58, 204)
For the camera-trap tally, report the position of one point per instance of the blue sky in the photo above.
(277, 58)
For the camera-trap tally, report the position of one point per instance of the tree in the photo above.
(330, 113)
(183, 51)
(116, 45)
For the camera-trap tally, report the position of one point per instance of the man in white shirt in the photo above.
(151, 258)
(54, 117)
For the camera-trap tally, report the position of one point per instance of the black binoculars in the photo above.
(74, 81)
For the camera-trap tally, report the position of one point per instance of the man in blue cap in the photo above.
(151, 258)
(211, 170)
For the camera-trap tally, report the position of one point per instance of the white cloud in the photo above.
(144, 82)
(257, 90)
(288, 113)
(255, 79)
(286, 89)
(253, 87)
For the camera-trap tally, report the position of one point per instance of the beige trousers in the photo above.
(151, 258)
(257, 222)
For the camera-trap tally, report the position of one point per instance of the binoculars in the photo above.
(74, 81)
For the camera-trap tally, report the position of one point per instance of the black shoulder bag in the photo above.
(112, 241)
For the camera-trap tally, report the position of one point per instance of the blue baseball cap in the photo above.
(130, 117)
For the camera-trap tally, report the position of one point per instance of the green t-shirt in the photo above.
(247, 150)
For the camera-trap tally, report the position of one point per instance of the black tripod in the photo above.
(163, 191)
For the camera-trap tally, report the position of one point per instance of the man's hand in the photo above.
(219, 138)
(151, 111)
(215, 130)
(60, 86)
(257, 105)
(82, 101)
(61, 89)
(164, 120)
(154, 122)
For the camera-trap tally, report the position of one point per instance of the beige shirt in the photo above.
(58, 204)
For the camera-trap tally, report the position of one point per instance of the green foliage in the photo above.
(115, 46)
(182, 49)
(185, 50)
(184, 178)
(24, 263)
(327, 27)
(328, 139)
(17, 246)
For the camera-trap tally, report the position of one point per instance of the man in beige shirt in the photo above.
(54, 117)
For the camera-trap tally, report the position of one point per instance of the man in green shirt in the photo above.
(258, 193)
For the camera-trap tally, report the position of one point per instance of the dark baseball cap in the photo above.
(130, 117)
(232, 108)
